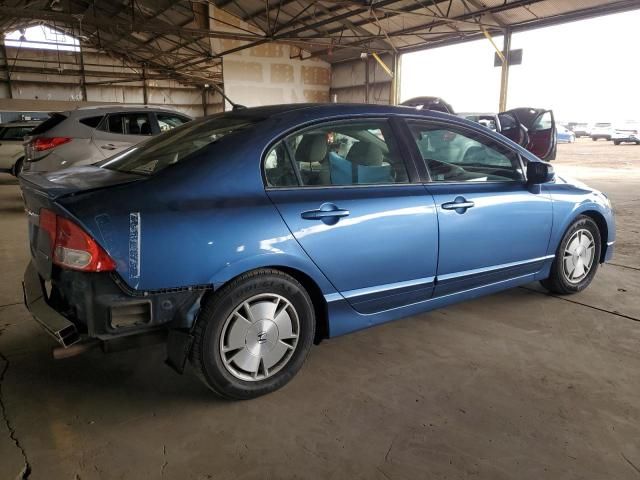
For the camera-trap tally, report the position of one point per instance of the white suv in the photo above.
(88, 135)
(602, 130)
(627, 133)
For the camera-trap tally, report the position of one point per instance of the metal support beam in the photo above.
(204, 101)
(506, 65)
(8, 71)
(394, 89)
(145, 93)
(366, 79)
(83, 78)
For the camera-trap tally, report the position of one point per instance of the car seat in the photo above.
(310, 155)
(145, 128)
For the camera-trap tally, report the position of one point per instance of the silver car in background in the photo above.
(88, 135)
(12, 137)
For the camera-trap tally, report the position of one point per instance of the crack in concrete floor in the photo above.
(26, 469)
(575, 302)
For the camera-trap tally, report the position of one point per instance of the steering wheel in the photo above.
(447, 170)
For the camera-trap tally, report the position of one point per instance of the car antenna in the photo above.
(235, 106)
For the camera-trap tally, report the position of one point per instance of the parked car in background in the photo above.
(246, 236)
(435, 104)
(11, 145)
(87, 135)
(488, 120)
(565, 135)
(532, 128)
(602, 130)
(581, 130)
(627, 133)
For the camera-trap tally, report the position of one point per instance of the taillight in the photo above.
(72, 247)
(41, 144)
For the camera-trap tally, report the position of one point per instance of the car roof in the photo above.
(334, 109)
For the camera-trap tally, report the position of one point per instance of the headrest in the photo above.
(365, 153)
(312, 148)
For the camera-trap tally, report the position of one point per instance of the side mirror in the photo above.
(540, 172)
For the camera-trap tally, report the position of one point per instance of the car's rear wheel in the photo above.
(18, 167)
(253, 335)
(577, 258)
(616, 142)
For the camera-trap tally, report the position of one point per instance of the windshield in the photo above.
(174, 146)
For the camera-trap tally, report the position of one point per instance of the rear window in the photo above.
(49, 123)
(167, 121)
(174, 146)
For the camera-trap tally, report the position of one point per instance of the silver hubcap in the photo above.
(259, 337)
(578, 256)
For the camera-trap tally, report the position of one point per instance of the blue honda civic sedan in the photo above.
(245, 237)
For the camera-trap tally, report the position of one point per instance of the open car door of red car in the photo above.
(533, 128)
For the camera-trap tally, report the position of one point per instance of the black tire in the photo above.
(616, 142)
(558, 281)
(594, 139)
(18, 167)
(206, 356)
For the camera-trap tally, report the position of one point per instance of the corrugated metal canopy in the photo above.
(174, 36)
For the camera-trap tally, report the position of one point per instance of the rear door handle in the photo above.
(460, 204)
(328, 213)
(321, 214)
(108, 147)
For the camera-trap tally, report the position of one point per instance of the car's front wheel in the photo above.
(577, 258)
(253, 335)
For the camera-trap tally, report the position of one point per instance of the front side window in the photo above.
(168, 121)
(127, 124)
(455, 155)
(340, 154)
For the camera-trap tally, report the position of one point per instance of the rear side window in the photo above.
(15, 133)
(127, 124)
(92, 122)
(167, 121)
(48, 124)
(341, 154)
(174, 146)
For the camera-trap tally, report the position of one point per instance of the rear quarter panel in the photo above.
(201, 222)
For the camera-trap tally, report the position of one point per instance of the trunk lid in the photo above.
(43, 190)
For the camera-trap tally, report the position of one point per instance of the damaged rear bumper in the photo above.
(35, 299)
(84, 306)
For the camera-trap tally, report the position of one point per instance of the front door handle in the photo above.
(328, 213)
(460, 205)
(108, 147)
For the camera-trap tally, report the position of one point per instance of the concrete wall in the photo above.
(270, 73)
(42, 76)
(349, 81)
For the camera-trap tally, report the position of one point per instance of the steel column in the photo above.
(506, 65)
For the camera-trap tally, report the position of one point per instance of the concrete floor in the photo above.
(517, 385)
